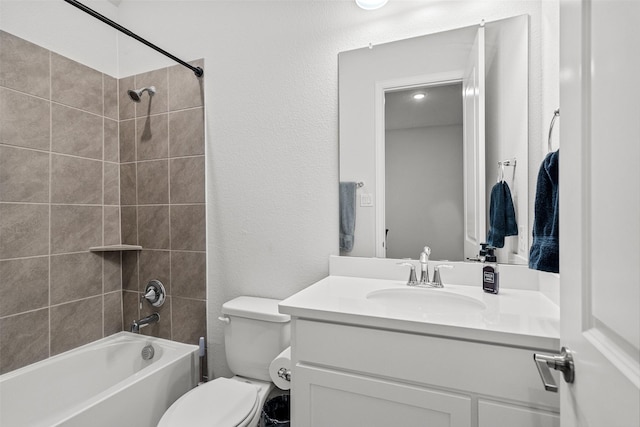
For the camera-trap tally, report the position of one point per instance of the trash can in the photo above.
(276, 412)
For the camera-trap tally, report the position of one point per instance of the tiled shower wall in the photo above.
(67, 138)
(59, 196)
(163, 200)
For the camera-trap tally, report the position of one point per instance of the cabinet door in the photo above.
(329, 398)
(492, 414)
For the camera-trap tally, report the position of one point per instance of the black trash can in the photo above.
(276, 412)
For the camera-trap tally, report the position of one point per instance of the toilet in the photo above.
(254, 334)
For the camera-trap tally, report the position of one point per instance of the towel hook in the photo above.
(556, 113)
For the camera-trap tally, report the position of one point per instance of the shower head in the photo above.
(136, 94)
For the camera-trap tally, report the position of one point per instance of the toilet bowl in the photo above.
(255, 333)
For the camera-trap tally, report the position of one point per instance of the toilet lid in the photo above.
(222, 403)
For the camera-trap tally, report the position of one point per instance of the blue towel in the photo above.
(502, 215)
(347, 215)
(545, 250)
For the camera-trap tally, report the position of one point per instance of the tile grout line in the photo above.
(50, 197)
(169, 200)
(103, 207)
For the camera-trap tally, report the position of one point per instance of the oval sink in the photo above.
(427, 301)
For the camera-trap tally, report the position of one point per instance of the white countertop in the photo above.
(514, 317)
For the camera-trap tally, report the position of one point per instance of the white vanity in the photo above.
(369, 351)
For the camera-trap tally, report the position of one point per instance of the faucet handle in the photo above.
(437, 280)
(413, 280)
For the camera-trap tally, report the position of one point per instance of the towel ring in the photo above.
(556, 113)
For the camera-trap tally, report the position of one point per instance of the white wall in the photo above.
(64, 29)
(424, 203)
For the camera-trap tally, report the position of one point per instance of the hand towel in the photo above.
(502, 215)
(347, 215)
(545, 250)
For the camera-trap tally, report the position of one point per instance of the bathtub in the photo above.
(104, 383)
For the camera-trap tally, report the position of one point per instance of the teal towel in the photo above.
(502, 215)
(545, 249)
(347, 215)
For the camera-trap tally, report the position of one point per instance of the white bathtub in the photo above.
(104, 383)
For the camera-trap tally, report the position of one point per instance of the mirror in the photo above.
(427, 166)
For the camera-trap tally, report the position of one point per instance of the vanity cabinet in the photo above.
(348, 375)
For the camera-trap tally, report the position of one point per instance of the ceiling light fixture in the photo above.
(371, 4)
(419, 96)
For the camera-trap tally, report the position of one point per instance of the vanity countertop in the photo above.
(514, 317)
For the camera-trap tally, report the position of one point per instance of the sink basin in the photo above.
(427, 301)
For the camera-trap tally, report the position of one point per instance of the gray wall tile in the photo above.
(24, 66)
(76, 132)
(75, 228)
(24, 230)
(187, 180)
(111, 183)
(127, 141)
(112, 313)
(112, 272)
(75, 276)
(130, 308)
(129, 225)
(75, 180)
(186, 90)
(188, 227)
(158, 103)
(153, 226)
(188, 320)
(111, 143)
(153, 182)
(186, 132)
(130, 270)
(110, 97)
(22, 346)
(24, 285)
(188, 274)
(154, 265)
(152, 137)
(111, 219)
(75, 84)
(24, 120)
(24, 175)
(125, 105)
(65, 318)
(128, 187)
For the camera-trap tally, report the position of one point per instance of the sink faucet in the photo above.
(437, 281)
(424, 265)
(136, 325)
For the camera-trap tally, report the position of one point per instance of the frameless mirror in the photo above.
(425, 124)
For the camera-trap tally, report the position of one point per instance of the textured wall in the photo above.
(162, 175)
(58, 196)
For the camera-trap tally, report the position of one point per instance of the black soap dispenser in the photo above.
(490, 275)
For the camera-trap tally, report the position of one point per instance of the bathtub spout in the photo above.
(136, 325)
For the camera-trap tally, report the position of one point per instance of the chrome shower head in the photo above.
(136, 94)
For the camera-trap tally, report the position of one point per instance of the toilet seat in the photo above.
(222, 402)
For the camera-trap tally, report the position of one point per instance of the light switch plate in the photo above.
(366, 200)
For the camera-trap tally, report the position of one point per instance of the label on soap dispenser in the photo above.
(490, 279)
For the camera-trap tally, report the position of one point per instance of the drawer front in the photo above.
(484, 369)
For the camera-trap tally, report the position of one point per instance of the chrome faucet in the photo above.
(136, 325)
(424, 266)
(437, 281)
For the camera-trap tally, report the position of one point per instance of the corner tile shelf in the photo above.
(114, 248)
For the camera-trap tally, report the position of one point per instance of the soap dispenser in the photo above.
(490, 275)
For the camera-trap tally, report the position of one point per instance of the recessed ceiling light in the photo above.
(371, 4)
(419, 96)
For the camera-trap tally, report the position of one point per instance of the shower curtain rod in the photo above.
(196, 70)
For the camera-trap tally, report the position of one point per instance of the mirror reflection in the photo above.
(428, 165)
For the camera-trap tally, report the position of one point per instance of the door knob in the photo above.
(562, 362)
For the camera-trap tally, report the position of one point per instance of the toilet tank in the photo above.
(254, 335)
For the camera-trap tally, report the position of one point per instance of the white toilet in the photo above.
(254, 334)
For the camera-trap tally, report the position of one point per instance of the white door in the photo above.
(474, 149)
(600, 210)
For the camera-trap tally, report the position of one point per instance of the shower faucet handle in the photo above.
(154, 292)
